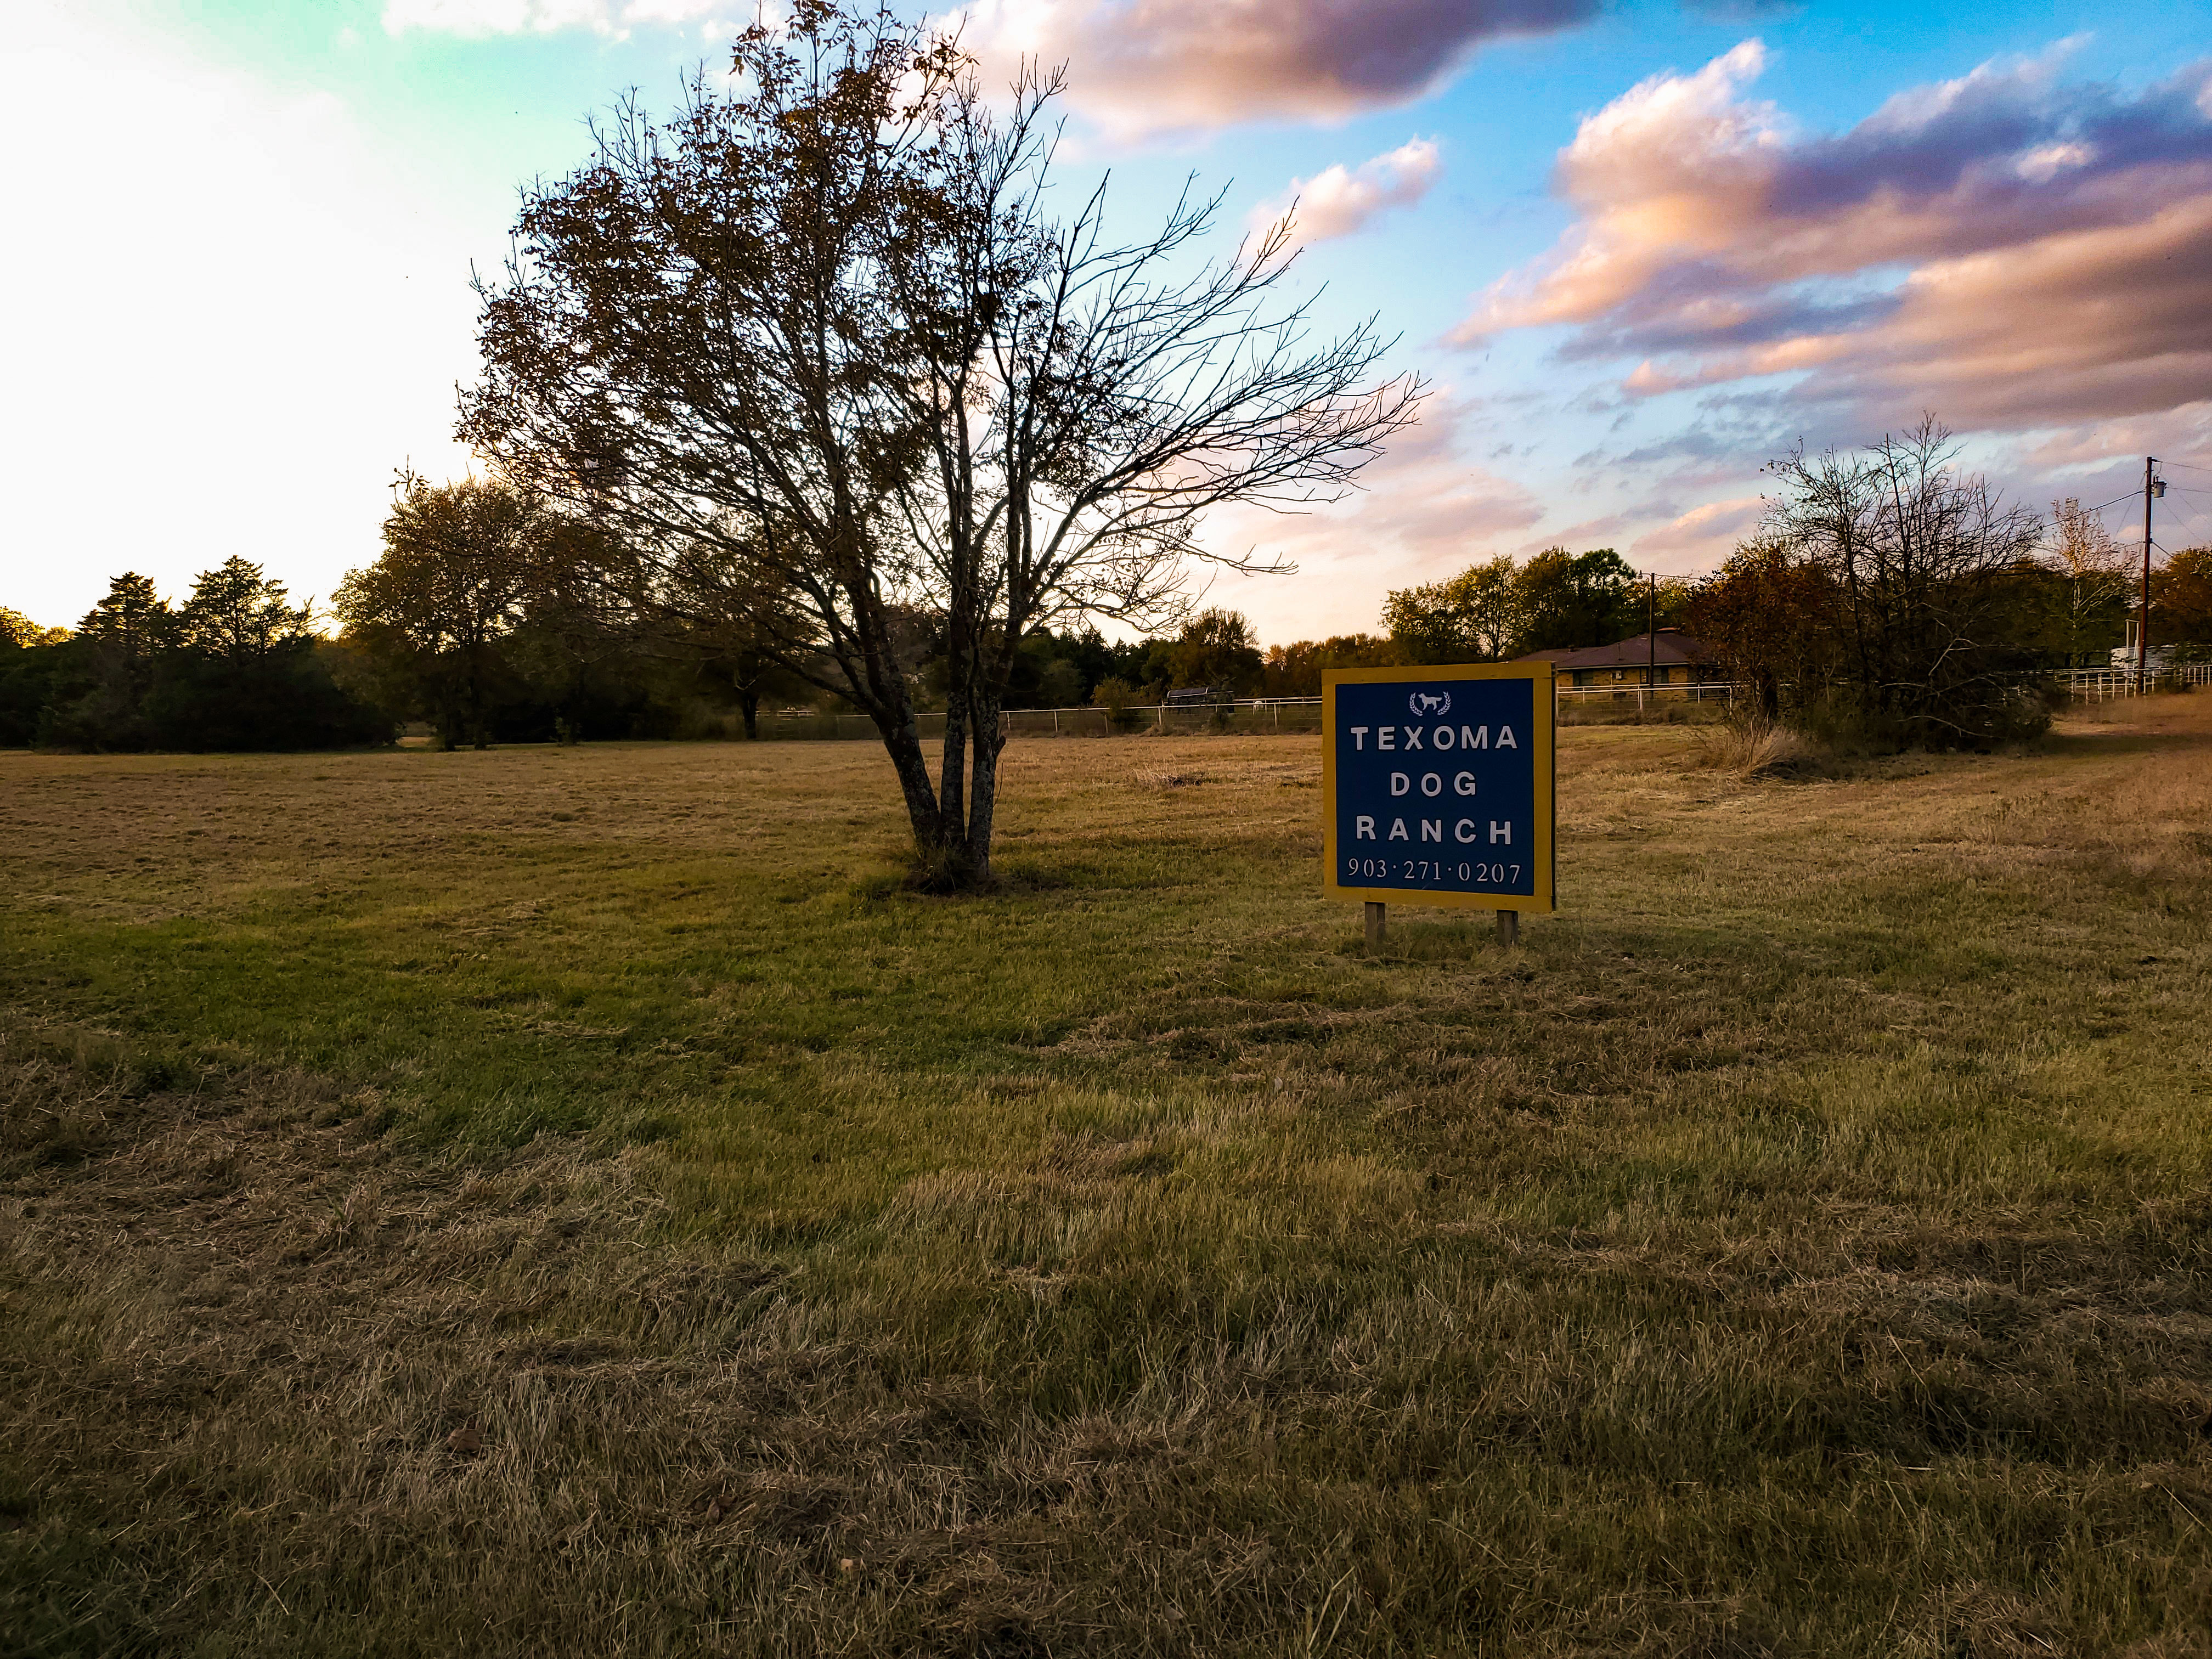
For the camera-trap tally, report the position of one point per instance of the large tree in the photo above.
(121, 642)
(2181, 600)
(235, 668)
(1498, 609)
(1478, 616)
(1215, 649)
(823, 328)
(128, 629)
(459, 563)
(1773, 617)
(1570, 600)
(18, 631)
(33, 661)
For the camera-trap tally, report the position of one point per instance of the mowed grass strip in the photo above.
(568, 1199)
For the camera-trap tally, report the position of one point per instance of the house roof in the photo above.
(1672, 649)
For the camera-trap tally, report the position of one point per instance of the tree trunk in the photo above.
(476, 698)
(748, 705)
(983, 794)
(952, 768)
(892, 710)
(931, 841)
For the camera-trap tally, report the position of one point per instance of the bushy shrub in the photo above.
(1884, 604)
(1115, 695)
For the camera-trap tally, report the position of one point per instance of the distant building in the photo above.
(2161, 657)
(1674, 659)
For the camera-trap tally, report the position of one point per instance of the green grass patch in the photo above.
(578, 1200)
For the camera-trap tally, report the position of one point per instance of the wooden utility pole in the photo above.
(1651, 630)
(2151, 485)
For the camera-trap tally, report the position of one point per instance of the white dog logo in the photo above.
(1430, 703)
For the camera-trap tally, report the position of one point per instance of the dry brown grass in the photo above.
(1753, 748)
(1802, 1248)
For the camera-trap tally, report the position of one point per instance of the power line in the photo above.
(2116, 501)
(2194, 515)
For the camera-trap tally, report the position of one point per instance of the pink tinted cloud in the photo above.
(1341, 200)
(2088, 324)
(1708, 533)
(1425, 511)
(1147, 66)
(2055, 242)
(2182, 434)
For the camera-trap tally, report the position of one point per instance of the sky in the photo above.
(1639, 249)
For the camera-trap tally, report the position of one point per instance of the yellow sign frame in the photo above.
(1544, 766)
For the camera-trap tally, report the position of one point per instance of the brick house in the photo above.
(1679, 660)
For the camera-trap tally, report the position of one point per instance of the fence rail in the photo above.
(1699, 691)
(2101, 684)
(1303, 714)
(1241, 715)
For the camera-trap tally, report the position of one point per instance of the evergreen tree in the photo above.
(238, 615)
(120, 644)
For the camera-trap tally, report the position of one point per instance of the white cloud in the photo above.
(1710, 532)
(234, 322)
(1341, 200)
(479, 18)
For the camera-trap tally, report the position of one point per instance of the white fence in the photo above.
(1303, 714)
(1244, 715)
(2101, 684)
(1241, 715)
(1702, 691)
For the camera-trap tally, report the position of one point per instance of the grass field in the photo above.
(568, 1202)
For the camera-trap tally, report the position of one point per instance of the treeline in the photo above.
(1891, 600)
(235, 666)
(492, 618)
(1886, 596)
(1887, 600)
(474, 623)
(1491, 612)
(478, 623)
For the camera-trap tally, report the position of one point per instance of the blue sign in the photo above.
(1438, 785)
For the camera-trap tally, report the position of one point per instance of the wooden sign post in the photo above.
(1438, 788)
